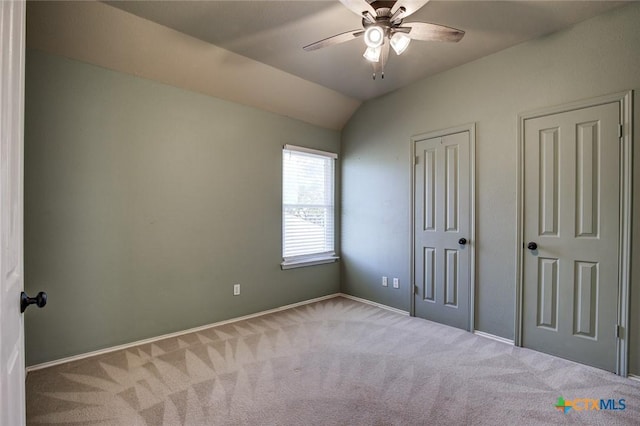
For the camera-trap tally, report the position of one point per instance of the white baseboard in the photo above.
(493, 337)
(633, 377)
(369, 302)
(177, 333)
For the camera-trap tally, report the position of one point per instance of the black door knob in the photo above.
(40, 300)
(532, 246)
(462, 241)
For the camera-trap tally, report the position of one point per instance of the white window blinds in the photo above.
(308, 209)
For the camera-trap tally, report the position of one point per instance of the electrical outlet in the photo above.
(236, 289)
(396, 283)
(385, 282)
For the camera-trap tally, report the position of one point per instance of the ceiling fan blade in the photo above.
(410, 6)
(336, 39)
(432, 32)
(359, 6)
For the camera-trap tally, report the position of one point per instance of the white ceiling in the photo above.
(273, 32)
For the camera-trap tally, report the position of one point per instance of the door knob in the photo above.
(462, 241)
(40, 300)
(532, 246)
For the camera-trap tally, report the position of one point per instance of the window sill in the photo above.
(301, 263)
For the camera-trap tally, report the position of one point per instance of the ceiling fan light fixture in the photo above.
(400, 42)
(372, 54)
(382, 23)
(374, 36)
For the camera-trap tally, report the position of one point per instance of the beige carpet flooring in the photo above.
(335, 362)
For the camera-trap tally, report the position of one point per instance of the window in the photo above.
(308, 208)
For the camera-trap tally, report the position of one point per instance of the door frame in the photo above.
(625, 101)
(471, 128)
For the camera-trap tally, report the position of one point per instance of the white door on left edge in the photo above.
(442, 253)
(12, 372)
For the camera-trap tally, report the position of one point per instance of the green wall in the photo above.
(597, 57)
(145, 203)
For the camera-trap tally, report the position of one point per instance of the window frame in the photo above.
(320, 258)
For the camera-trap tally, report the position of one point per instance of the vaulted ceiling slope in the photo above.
(274, 32)
(251, 51)
(102, 35)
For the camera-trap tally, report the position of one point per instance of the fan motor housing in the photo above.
(383, 18)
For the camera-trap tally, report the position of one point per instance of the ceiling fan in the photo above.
(383, 27)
